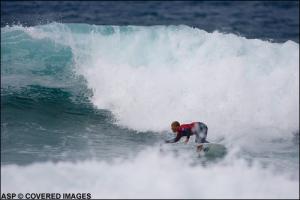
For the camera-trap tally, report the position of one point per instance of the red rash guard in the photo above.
(183, 130)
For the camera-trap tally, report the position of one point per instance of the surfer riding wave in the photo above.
(198, 129)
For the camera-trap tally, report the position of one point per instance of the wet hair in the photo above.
(175, 123)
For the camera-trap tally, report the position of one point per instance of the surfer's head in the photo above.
(174, 126)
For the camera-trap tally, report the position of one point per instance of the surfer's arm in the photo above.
(176, 139)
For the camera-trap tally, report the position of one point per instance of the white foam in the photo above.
(151, 76)
(150, 175)
(154, 75)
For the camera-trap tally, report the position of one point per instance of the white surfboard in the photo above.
(212, 149)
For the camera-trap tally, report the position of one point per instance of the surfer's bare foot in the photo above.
(199, 148)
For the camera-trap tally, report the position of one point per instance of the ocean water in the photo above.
(86, 107)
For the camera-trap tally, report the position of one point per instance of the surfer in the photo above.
(198, 129)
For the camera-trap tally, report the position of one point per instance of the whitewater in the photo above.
(86, 108)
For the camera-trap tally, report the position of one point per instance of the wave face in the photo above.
(75, 92)
(149, 76)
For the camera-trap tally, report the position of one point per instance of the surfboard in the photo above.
(212, 150)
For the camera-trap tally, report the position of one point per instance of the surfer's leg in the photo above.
(201, 133)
